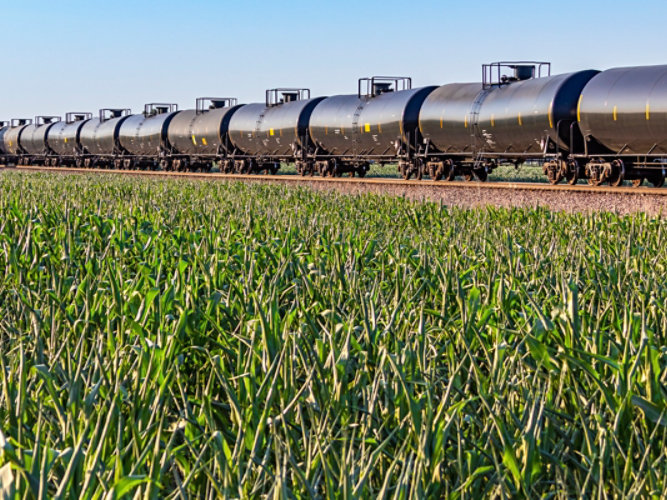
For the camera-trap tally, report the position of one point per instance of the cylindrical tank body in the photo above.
(517, 117)
(255, 129)
(2, 138)
(349, 125)
(63, 137)
(625, 110)
(99, 138)
(145, 135)
(444, 117)
(12, 139)
(192, 133)
(33, 138)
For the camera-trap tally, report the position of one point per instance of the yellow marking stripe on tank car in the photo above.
(194, 140)
(65, 140)
(648, 111)
(551, 117)
(379, 128)
(367, 127)
(441, 122)
(579, 108)
(465, 121)
(520, 122)
(614, 113)
(493, 120)
(271, 131)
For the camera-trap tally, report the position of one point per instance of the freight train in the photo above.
(604, 127)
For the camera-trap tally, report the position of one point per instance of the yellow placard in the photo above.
(367, 127)
(194, 141)
(204, 141)
(271, 131)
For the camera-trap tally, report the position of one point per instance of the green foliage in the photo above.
(162, 338)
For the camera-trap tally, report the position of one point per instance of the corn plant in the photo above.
(180, 339)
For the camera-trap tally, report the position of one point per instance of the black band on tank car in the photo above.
(411, 113)
(565, 107)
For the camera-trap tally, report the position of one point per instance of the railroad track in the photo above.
(370, 181)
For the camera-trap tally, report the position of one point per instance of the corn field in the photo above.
(183, 339)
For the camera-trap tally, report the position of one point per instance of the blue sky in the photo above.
(75, 55)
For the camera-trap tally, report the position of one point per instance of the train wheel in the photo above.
(467, 176)
(637, 182)
(617, 173)
(450, 173)
(658, 180)
(481, 174)
(361, 171)
(572, 178)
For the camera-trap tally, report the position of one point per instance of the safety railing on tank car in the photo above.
(376, 85)
(76, 116)
(492, 74)
(275, 97)
(204, 104)
(159, 108)
(18, 122)
(45, 120)
(110, 113)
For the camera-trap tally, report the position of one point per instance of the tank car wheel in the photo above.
(481, 174)
(637, 182)
(361, 172)
(572, 177)
(658, 180)
(450, 174)
(617, 173)
(467, 176)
